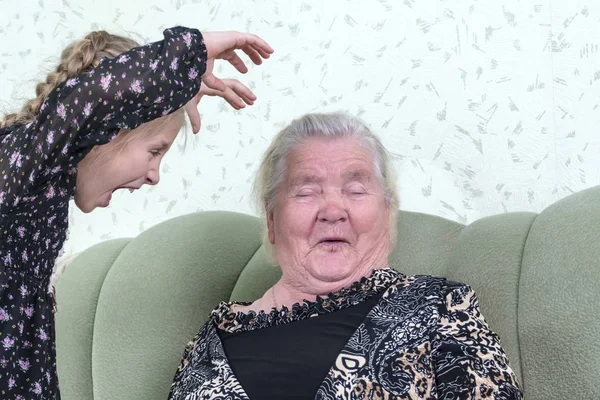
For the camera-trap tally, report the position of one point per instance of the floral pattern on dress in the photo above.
(38, 167)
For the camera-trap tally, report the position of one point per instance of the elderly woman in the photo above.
(341, 324)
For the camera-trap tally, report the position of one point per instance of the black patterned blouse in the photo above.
(424, 339)
(38, 164)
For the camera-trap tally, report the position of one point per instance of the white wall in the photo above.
(486, 106)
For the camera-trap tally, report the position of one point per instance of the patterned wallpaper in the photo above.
(487, 106)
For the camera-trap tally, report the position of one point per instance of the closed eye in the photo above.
(159, 148)
(305, 193)
(356, 189)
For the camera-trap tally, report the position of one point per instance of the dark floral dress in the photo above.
(424, 339)
(38, 167)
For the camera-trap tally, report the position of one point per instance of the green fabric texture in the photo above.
(77, 299)
(536, 277)
(420, 232)
(154, 299)
(559, 301)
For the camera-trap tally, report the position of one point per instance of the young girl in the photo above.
(60, 146)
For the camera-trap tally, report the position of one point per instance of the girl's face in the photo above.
(129, 161)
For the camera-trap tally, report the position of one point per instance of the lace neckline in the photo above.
(229, 320)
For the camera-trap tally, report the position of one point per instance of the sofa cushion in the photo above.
(559, 301)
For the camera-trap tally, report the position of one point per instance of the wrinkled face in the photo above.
(124, 163)
(330, 222)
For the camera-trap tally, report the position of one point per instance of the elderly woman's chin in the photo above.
(335, 263)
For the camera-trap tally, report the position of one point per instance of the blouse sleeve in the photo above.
(203, 363)
(120, 93)
(468, 360)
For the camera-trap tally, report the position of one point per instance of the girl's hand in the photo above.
(222, 46)
(236, 94)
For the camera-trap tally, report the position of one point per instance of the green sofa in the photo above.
(127, 307)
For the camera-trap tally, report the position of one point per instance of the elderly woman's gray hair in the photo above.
(273, 168)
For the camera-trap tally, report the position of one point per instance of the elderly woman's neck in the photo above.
(293, 289)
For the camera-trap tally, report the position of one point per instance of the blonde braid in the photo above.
(79, 57)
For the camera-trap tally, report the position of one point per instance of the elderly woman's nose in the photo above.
(332, 211)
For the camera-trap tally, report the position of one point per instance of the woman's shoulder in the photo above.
(430, 284)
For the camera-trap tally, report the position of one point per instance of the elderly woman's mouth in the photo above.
(332, 244)
(332, 239)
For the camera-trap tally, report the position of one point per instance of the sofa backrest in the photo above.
(127, 307)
